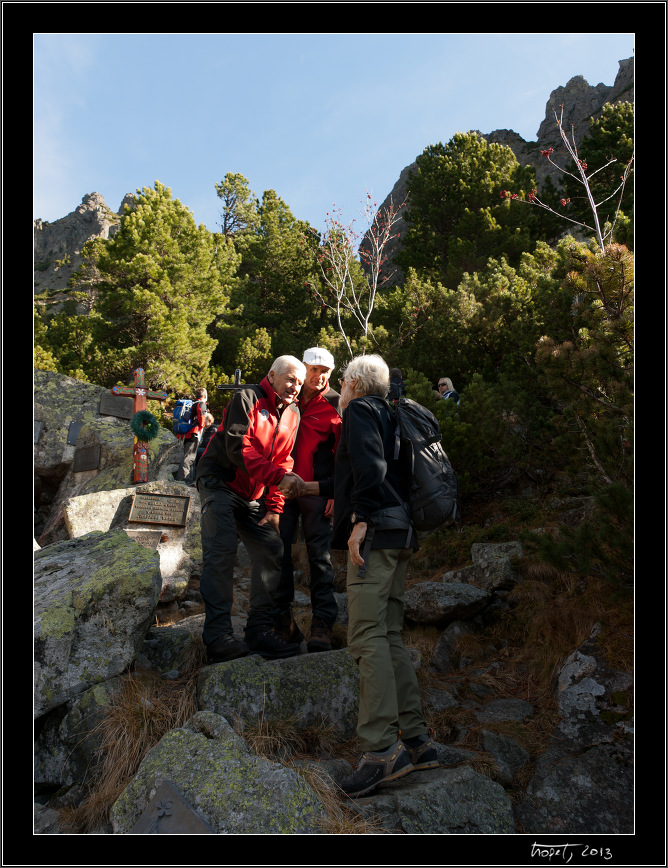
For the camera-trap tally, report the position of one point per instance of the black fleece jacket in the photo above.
(364, 460)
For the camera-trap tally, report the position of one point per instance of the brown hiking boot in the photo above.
(423, 751)
(321, 636)
(286, 627)
(377, 767)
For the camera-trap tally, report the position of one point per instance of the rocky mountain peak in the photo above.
(58, 245)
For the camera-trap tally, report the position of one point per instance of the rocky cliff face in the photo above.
(58, 245)
(581, 102)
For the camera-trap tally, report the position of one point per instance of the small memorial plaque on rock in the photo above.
(168, 813)
(86, 458)
(148, 538)
(38, 430)
(159, 509)
(115, 405)
(73, 432)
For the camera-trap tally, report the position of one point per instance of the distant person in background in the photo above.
(186, 471)
(446, 389)
(397, 385)
(208, 432)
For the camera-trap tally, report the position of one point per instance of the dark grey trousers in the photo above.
(226, 517)
(186, 472)
(317, 533)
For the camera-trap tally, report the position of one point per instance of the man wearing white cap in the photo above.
(313, 453)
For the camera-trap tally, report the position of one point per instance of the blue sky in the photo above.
(319, 118)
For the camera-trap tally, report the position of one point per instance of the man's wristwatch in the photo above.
(356, 518)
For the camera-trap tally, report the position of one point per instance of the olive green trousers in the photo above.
(389, 695)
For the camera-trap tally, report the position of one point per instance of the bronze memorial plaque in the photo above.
(159, 509)
(168, 813)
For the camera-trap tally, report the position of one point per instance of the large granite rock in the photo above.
(94, 599)
(179, 548)
(59, 402)
(455, 801)
(440, 603)
(583, 782)
(309, 688)
(67, 744)
(234, 791)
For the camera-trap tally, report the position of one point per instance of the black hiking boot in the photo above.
(375, 767)
(225, 647)
(320, 638)
(286, 627)
(268, 644)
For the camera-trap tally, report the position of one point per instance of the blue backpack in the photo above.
(182, 417)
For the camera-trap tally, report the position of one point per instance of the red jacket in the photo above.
(198, 411)
(318, 437)
(251, 450)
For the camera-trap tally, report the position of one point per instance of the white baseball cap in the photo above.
(318, 356)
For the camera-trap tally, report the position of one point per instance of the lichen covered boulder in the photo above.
(179, 548)
(68, 741)
(94, 599)
(232, 789)
(60, 401)
(443, 802)
(309, 687)
(440, 603)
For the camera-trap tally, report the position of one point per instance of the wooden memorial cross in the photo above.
(139, 394)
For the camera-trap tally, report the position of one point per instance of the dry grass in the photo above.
(340, 818)
(287, 742)
(552, 614)
(485, 765)
(139, 714)
(277, 739)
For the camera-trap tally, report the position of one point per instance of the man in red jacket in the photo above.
(314, 451)
(242, 478)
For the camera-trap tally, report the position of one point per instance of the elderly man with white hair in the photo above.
(314, 451)
(242, 479)
(380, 538)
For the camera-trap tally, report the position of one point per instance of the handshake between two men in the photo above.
(292, 485)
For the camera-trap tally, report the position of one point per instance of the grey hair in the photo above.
(371, 373)
(448, 383)
(282, 363)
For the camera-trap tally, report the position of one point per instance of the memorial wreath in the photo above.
(144, 425)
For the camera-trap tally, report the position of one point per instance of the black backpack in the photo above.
(433, 486)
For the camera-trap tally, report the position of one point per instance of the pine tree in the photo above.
(162, 281)
(456, 216)
(271, 294)
(240, 206)
(590, 377)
